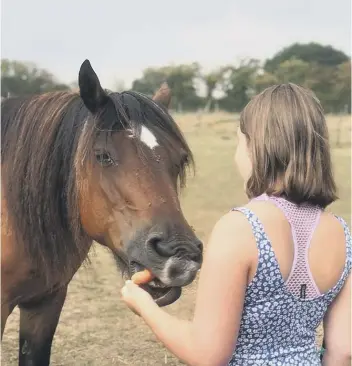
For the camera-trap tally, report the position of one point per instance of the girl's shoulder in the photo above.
(260, 212)
(233, 223)
(233, 234)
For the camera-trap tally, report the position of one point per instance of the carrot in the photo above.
(142, 277)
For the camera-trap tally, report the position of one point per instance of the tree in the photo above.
(294, 71)
(239, 85)
(20, 79)
(309, 52)
(150, 81)
(180, 78)
(342, 88)
(321, 68)
(331, 84)
(264, 80)
(212, 80)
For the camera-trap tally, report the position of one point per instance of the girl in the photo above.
(275, 268)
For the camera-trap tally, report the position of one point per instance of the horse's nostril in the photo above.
(158, 243)
(200, 246)
(154, 241)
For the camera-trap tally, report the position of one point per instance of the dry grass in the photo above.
(95, 327)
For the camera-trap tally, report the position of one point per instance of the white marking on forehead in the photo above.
(148, 138)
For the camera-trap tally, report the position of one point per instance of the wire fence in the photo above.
(339, 126)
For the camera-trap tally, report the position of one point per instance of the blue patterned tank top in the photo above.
(278, 327)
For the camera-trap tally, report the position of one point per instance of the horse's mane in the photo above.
(40, 136)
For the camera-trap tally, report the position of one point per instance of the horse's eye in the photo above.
(104, 158)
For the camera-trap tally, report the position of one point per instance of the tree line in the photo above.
(323, 69)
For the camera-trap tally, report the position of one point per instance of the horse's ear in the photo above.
(93, 95)
(163, 95)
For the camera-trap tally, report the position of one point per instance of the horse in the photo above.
(89, 166)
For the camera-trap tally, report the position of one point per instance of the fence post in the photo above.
(340, 125)
(338, 132)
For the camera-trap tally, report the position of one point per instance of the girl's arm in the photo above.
(337, 329)
(210, 339)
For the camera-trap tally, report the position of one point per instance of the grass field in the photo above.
(95, 327)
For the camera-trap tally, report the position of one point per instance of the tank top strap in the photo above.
(331, 294)
(267, 262)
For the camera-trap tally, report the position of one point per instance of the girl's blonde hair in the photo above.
(288, 142)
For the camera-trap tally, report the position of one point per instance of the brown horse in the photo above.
(77, 168)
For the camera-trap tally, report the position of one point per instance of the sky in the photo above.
(121, 38)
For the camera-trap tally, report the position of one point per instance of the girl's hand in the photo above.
(135, 297)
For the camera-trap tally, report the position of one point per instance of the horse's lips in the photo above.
(170, 297)
(161, 294)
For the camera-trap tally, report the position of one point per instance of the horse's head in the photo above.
(131, 157)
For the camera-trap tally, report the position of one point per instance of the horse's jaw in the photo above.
(163, 295)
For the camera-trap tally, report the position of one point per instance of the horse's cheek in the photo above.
(94, 214)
